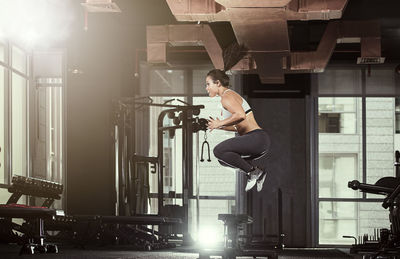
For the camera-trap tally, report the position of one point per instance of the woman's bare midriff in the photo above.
(247, 125)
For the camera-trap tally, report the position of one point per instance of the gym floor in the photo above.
(65, 252)
(12, 251)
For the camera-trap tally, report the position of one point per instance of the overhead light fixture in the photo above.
(101, 6)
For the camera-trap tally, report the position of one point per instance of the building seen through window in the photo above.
(342, 148)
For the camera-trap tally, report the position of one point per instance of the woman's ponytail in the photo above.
(231, 56)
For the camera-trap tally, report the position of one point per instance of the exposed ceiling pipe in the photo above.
(366, 32)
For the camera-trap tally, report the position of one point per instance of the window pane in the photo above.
(381, 81)
(19, 60)
(337, 115)
(199, 78)
(341, 152)
(340, 81)
(337, 219)
(397, 115)
(4, 195)
(165, 81)
(337, 104)
(2, 123)
(381, 138)
(335, 171)
(19, 125)
(2, 49)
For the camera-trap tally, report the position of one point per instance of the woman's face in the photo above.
(211, 87)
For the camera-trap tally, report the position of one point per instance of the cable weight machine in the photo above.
(131, 169)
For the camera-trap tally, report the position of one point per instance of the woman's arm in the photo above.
(235, 108)
(229, 128)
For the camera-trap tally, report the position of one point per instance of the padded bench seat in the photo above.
(23, 211)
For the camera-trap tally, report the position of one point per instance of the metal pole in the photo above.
(197, 185)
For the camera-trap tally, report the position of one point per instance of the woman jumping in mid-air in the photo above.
(237, 116)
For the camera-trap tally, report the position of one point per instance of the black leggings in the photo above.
(232, 152)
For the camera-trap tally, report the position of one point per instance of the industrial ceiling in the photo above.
(268, 29)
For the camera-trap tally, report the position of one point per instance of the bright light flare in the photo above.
(33, 23)
(208, 237)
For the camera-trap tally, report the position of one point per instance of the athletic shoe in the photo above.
(252, 178)
(260, 181)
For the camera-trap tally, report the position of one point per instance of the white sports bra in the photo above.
(226, 114)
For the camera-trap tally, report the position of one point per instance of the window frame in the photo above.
(336, 155)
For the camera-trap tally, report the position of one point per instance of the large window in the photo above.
(14, 74)
(357, 141)
(19, 60)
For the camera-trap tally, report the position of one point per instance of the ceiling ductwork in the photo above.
(161, 36)
(264, 32)
(252, 3)
(217, 10)
(365, 32)
(315, 9)
(261, 25)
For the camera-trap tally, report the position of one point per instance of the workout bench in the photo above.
(32, 230)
